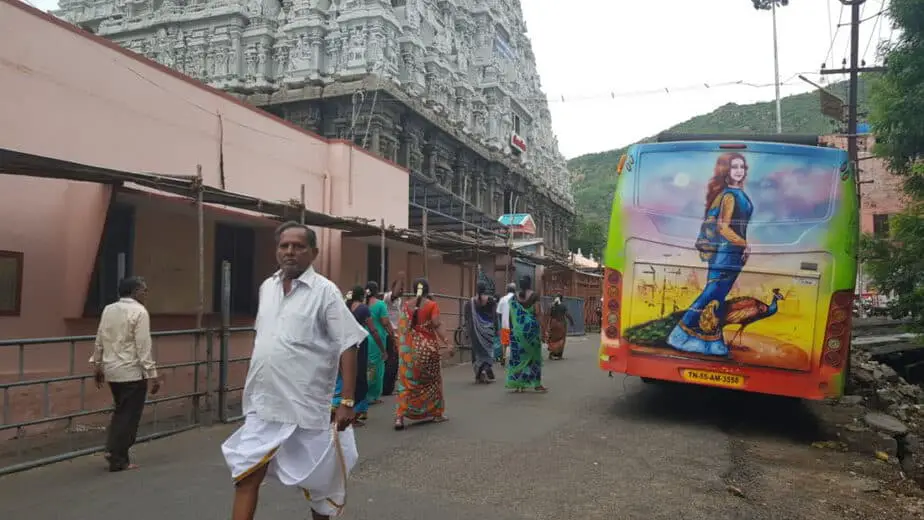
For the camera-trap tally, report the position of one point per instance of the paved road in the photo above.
(593, 448)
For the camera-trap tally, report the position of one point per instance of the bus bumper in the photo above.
(803, 385)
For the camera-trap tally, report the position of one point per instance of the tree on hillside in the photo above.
(896, 263)
(589, 236)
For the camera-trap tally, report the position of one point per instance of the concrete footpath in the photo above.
(595, 447)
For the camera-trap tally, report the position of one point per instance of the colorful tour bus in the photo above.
(731, 261)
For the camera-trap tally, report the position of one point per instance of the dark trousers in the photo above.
(391, 367)
(129, 400)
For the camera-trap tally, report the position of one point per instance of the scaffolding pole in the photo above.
(200, 217)
(304, 208)
(382, 258)
(508, 262)
(477, 261)
(426, 252)
(200, 307)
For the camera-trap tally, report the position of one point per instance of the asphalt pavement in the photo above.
(594, 447)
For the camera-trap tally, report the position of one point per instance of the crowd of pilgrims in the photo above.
(402, 353)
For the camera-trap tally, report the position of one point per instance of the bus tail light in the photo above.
(610, 325)
(837, 332)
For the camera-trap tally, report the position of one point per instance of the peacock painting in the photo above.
(745, 310)
(741, 311)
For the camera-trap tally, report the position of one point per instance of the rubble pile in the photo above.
(883, 389)
(889, 418)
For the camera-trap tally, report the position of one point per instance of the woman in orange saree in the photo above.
(420, 379)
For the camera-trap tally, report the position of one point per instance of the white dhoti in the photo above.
(307, 459)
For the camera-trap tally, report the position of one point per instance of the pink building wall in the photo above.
(106, 106)
(73, 96)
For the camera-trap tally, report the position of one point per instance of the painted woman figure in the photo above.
(722, 243)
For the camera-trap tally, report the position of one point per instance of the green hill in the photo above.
(594, 175)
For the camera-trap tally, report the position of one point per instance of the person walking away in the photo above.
(503, 312)
(378, 351)
(524, 368)
(122, 357)
(558, 329)
(479, 322)
(304, 334)
(393, 300)
(498, 349)
(420, 379)
(354, 301)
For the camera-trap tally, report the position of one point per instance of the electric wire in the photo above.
(837, 29)
(872, 34)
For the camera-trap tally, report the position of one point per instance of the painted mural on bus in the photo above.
(730, 256)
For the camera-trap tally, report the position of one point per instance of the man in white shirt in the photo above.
(122, 357)
(503, 312)
(304, 334)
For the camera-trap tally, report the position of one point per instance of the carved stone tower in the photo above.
(447, 88)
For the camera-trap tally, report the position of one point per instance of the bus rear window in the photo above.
(788, 193)
(782, 187)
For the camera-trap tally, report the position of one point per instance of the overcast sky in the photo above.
(599, 55)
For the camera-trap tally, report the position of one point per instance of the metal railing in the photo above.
(225, 364)
(51, 410)
(452, 312)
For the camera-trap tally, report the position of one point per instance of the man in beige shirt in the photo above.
(122, 358)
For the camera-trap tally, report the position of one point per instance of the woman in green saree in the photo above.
(378, 353)
(524, 367)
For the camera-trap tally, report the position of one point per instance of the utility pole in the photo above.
(854, 70)
(852, 150)
(854, 86)
(776, 75)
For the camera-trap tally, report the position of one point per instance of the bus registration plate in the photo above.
(713, 378)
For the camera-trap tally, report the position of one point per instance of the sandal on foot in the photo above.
(122, 467)
(541, 389)
(399, 425)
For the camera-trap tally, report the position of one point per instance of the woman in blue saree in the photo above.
(354, 300)
(722, 242)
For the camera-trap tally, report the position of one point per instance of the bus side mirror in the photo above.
(621, 164)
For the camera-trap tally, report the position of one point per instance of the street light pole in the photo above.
(776, 72)
(771, 6)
